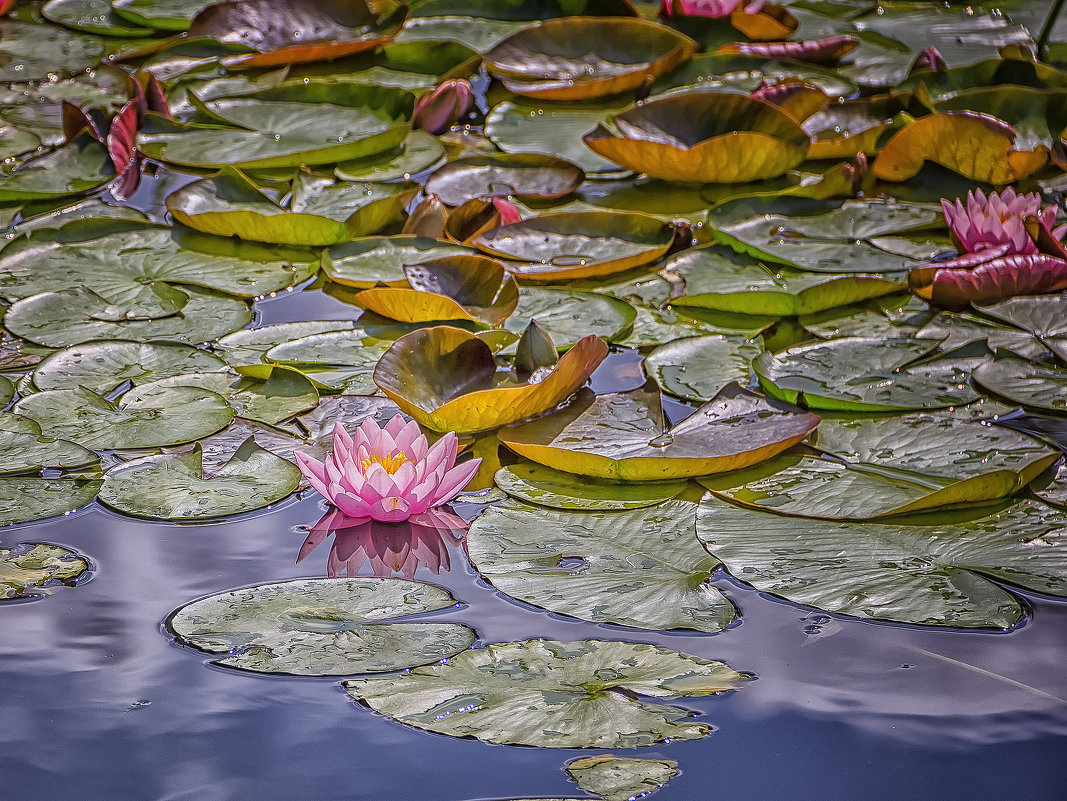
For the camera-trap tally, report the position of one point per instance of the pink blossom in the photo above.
(388, 474)
(996, 220)
(436, 110)
(508, 211)
(708, 8)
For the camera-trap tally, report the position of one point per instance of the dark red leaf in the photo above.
(156, 97)
(812, 51)
(75, 121)
(929, 59)
(6, 5)
(137, 94)
(997, 279)
(121, 146)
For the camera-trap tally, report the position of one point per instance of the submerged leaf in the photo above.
(35, 568)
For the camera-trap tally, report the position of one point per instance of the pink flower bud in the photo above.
(436, 110)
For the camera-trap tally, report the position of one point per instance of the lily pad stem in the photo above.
(1046, 30)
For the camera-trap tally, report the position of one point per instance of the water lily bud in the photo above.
(508, 211)
(428, 218)
(436, 110)
(929, 59)
(535, 350)
(708, 8)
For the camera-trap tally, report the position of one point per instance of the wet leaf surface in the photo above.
(31, 569)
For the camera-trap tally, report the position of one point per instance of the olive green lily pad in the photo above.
(250, 345)
(26, 499)
(419, 151)
(535, 483)
(720, 279)
(102, 366)
(29, 51)
(23, 451)
(164, 15)
(717, 72)
(860, 236)
(35, 568)
(334, 360)
(699, 367)
(587, 694)
(567, 315)
(91, 16)
(642, 568)
(1055, 492)
(622, 436)
(897, 465)
(73, 169)
(373, 260)
(60, 319)
(166, 417)
(931, 575)
(864, 374)
(524, 175)
(174, 487)
(349, 411)
(321, 626)
(7, 391)
(1022, 381)
(956, 330)
(615, 778)
(570, 245)
(219, 448)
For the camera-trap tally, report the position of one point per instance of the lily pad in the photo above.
(550, 694)
(1022, 381)
(524, 175)
(166, 417)
(567, 315)
(864, 374)
(446, 378)
(174, 486)
(26, 450)
(322, 626)
(699, 367)
(930, 575)
(642, 568)
(622, 436)
(569, 245)
(333, 360)
(32, 569)
(373, 260)
(615, 778)
(896, 465)
(164, 15)
(73, 169)
(534, 483)
(26, 499)
(91, 16)
(103, 366)
(29, 51)
(418, 152)
(587, 57)
(250, 345)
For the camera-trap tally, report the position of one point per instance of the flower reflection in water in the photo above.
(387, 547)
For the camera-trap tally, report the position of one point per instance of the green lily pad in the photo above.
(35, 568)
(860, 236)
(621, 779)
(524, 175)
(716, 72)
(321, 626)
(622, 436)
(334, 359)
(174, 487)
(349, 411)
(7, 391)
(23, 449)
(1022, 381)
(864, 374)
(29, 51)
(549, 694)
(567, 315)
(659, 326)
(249, 346)
(102, 366)
(26, 499)
(534, 483)
(60, 319)
(1055, 492)
(896, 465)
(164, 15)
(720, 279)
(418, 152)
(956, 330)
(698, 368)
(1041, 315)
(167, 417)
(218, 448)
(366, 262)
(930, 575)
(73, 169)
(91, 16)
(476, 32)
(642, 568)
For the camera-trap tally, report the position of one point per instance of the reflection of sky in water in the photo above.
(834, 713)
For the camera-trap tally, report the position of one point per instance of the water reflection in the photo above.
(389, 548)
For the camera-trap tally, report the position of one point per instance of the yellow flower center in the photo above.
(391, 461)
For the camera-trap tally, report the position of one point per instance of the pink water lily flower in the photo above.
(997, 220)
(709, 8)
(388, 474)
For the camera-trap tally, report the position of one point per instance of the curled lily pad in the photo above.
(622, 436)
(35, 568)
(571, 245)
(166, 417)
(447, 379)
(704, 136)
(957, 284)
(381, 260)
(103, 366)
(173, 486)
(73, 169)
(25, 499)
(615, 778)
(864, 374)
(535, 483)
(586, 57)
(642, 568)
(553, 694)
(321, 627)
(697, 368)
(977, 146)
(473, 288)
(1021, 381)
(525, 175)
(896, 465)
(930, 575)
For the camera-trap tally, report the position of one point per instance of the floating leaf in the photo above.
(1035, 385)
(554, 60)
(534, 483)
(622, 436)
(551, 694)
(931, 575)
(381, 260)
(166, 417)
(715, 72)
(524, 175)
(91, 16)
(567, 315)
(896, 465)
(321, 627)
(446, 379)
(164, 15)
(956, 285)
(26, 499)
(250, 345)
(418, 152)
(642, 568)
(35, 568)
(703, 136)
(73, 169)
(699, 367)
(864, 374)
(174, 487)
(615, 778)
(334, 360)
(29, 51)
(565, 246)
